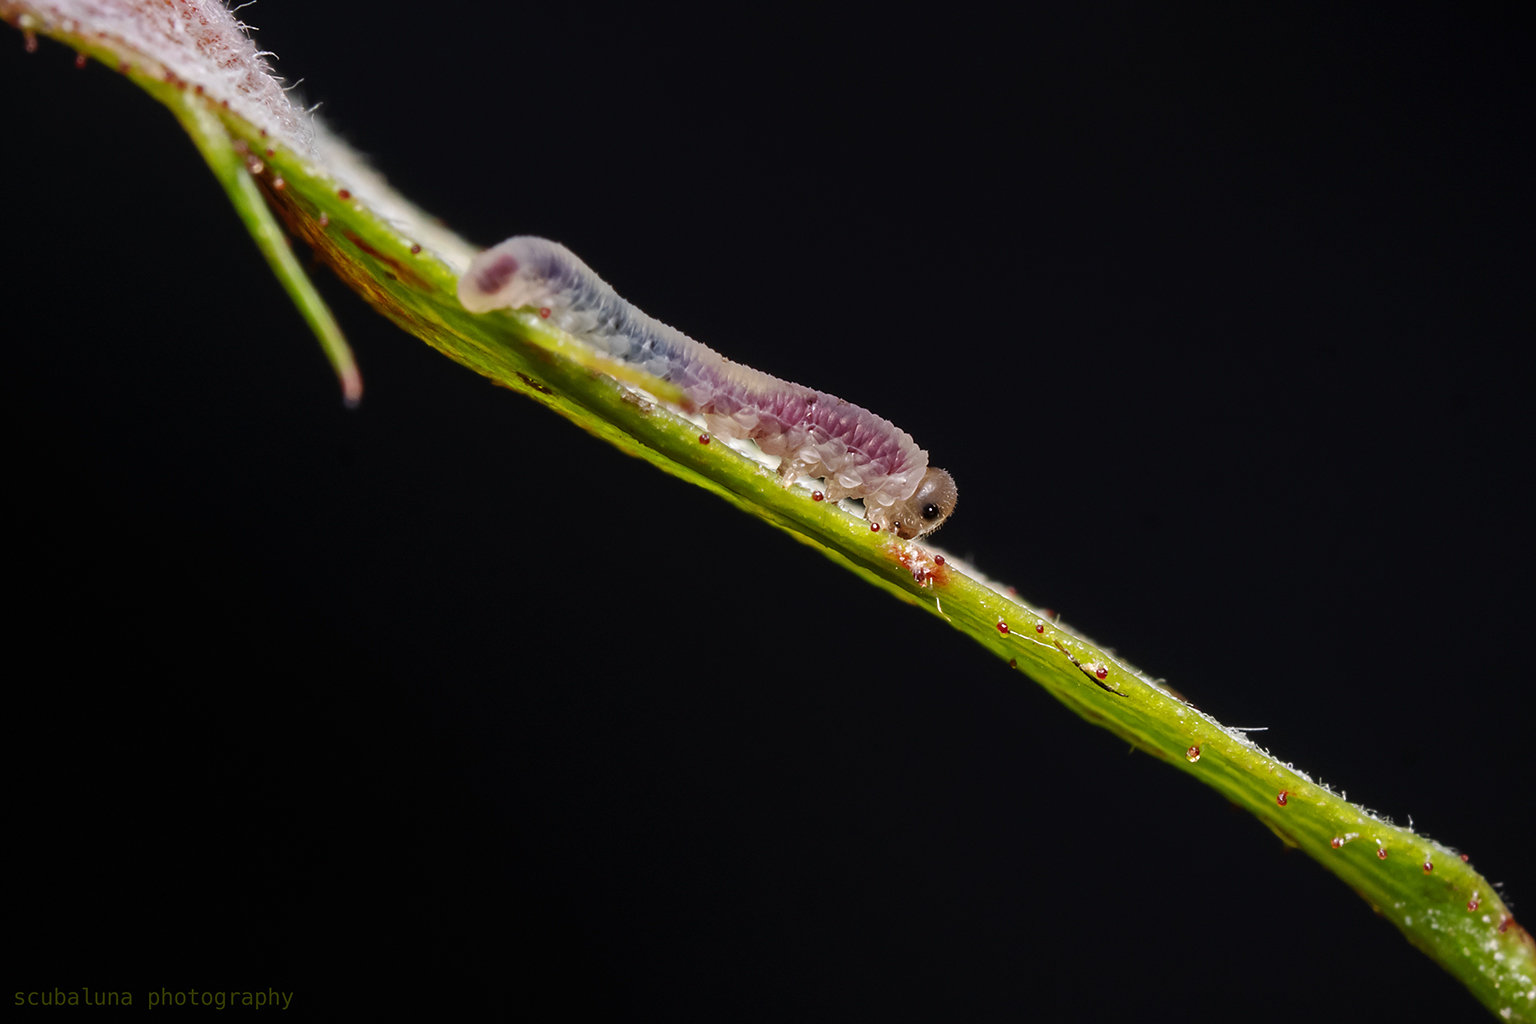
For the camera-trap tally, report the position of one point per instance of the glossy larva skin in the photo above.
(857, 453)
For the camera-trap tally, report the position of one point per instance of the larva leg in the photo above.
(792, 469)
(878, 515)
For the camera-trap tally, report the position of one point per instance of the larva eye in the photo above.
(929, 506)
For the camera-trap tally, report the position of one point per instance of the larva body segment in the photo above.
(858, 454)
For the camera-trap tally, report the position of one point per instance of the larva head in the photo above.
(503, 277)
(929, 506)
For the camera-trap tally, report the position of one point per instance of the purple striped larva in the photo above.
(857, 453)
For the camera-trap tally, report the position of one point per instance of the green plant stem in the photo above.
(1439, 902)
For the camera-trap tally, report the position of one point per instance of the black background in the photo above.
(1220, 319)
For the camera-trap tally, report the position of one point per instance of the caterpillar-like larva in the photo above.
(857, 453)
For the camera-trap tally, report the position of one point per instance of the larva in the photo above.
(857, 453)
